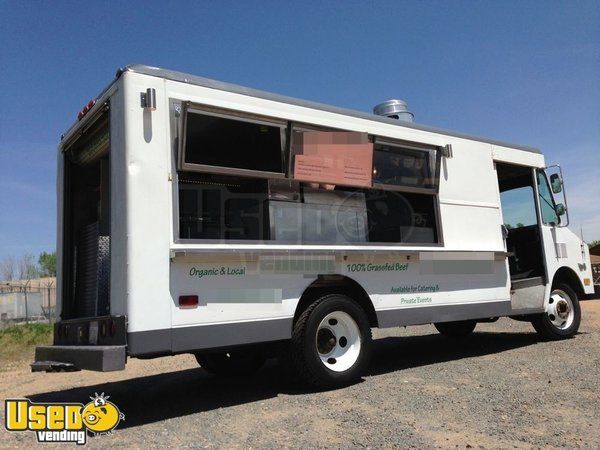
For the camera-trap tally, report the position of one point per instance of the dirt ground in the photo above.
(501, 388)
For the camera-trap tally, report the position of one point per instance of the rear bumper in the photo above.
(98, 343)
(104, 330)
(102, 358)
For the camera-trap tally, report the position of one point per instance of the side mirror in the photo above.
(556, 183)
(560, 209)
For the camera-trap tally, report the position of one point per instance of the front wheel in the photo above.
(331, 342)
(562, 316)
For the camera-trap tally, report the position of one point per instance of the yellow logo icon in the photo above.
(63, 422)
(101, 416)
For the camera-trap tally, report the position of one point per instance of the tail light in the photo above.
(188, 301)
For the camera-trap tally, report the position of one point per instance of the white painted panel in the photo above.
(469, 176)
(471, 228)
(515, 156)
(148, 207)
(233, 289)
(571, 255)
(240, 289)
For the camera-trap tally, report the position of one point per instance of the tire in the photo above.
(456, 330)
(563, 314)
(234, 363)
(331, 342)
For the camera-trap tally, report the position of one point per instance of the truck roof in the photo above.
(229, 87)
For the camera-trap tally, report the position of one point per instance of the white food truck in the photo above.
(196, 216)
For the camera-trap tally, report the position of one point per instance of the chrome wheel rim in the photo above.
(560, 310)
(338, 341)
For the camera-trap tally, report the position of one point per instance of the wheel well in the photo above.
(568, 276)
(337, 284)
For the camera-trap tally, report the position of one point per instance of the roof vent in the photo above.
(395, 109)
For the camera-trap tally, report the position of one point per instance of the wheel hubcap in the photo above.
(326, 341)
(560, 309)
(338, 341)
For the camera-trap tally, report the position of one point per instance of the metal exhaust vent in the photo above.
(395, 109)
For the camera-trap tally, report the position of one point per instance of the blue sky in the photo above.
(526, 72)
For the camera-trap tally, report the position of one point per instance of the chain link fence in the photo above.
(27, 301)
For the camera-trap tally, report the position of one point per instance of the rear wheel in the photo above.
(562, 316)
(331, 342)
(234, 363)
(456, 329)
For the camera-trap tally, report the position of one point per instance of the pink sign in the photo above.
(342, 158)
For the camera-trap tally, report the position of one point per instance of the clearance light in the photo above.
(188, 301)
(86, 109)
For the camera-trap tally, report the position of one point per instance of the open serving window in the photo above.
(229, 142)
(405, 166)
(241, 180)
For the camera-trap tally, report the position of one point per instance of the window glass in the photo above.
(328, 197)
(219, 207)
(404, 167)
(518, 207)
(222, 208)
(401, 217)
(354, 216)
(225, 142)
(323, 216)
(549, 215)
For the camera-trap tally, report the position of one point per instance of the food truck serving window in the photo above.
(404, 166)
(326, 187)
(221, 143)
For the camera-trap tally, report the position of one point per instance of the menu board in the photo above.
(343, 158)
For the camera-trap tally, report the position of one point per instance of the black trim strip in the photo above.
(200, 337)
(189, 339)
(445, 313)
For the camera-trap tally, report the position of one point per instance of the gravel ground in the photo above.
(501, 388)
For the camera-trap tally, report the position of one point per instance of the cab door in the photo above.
(553, 219)
(523, 236)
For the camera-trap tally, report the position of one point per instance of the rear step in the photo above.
(102, 358)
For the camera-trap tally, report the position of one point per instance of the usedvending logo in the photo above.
(63, 422)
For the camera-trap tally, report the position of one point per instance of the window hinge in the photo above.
(447, 151)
